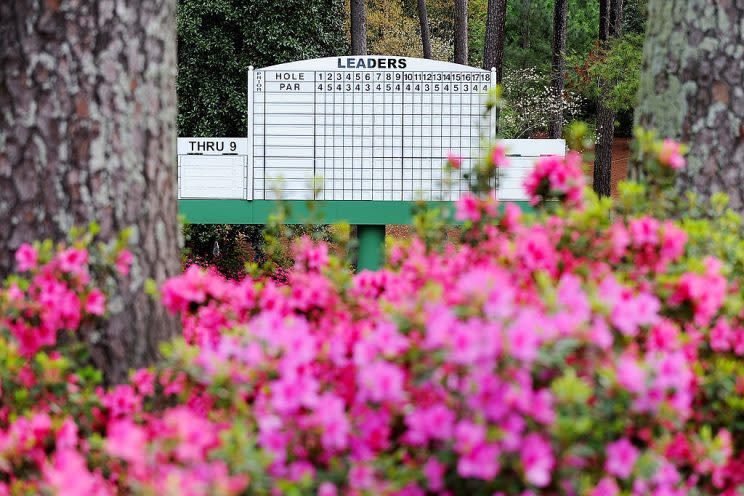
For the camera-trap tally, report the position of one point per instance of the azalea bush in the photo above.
(582, 348)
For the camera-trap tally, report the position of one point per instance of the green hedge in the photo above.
(219, 39)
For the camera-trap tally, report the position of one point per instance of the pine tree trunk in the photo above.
(425, 33)
(358, 27)
(610, 23)
(493, 47)
(87, 132)
(560, 12)
(603, 152)
(604, 20)
(524, 39)
(616, 17)
(692, 89)
(461, 32)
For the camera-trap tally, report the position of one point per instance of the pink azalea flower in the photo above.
(124, 262)
(127, 441)
(498, 156)
(621, 458)
(670, 154)
(327, 489)
(454, 160)
(606, 487)
(537, 460)
(72, 260)
(381, 381)
(434, 473)
(482, 462)
(468, 208)
(95, 303)
(26, 257)
(631, 375)
(144, 381)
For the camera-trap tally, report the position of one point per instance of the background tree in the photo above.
(424, 26)
(461, 31)
(493, 46)
(691, 89)
(610, 27)
(560, 11)
(87, 134)
(358, 27)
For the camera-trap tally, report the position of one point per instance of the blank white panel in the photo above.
(287, 140)
(295, 173)
(212, 176)
(207, 183)
(207, 161)
(279, 108)
(289, 151)
(283, 130)
(287, 194)
(282, 119)
(289, 97)
(289, 184)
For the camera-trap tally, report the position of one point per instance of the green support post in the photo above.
(371, 246)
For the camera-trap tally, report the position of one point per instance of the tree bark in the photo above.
(425, 33)
(692, 89)
(560, 12)
(493, 47)
(603, 151)
(616, 18)
(87, 132)
(610, 26)
(604, 20)
(461, 32)
(358, 27)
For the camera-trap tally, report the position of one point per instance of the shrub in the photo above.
(564, 351)
(530, 103)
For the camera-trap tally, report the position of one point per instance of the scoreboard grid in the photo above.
(370, 135)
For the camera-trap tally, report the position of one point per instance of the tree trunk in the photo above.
(604, 20)
(560, 11)
(524, 39)
(616, 18)
(603, 151)
(425, 34)
(493, 48)
(610, 25)
(461, 32)
(358, 27)
(87, 132)
(691, 89)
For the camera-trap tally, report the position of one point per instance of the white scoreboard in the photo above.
(354, 128)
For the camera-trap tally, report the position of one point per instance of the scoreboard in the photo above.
(364, 128)
(373, 128)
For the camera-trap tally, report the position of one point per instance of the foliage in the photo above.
(612, 73)
(392, 27)
(529, 31)
(392, 30)
(530, 103)
(219, 39)
(563, 351)
(227, 247)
